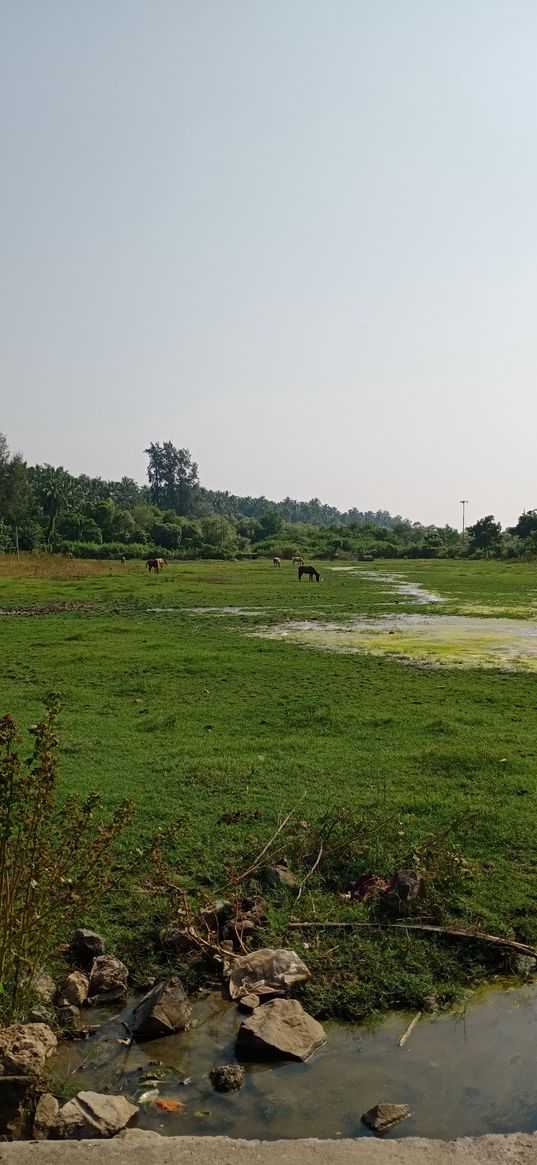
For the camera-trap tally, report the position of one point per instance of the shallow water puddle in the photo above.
(461, 1076)
(442, 640)
(213, 610)
(397, 583)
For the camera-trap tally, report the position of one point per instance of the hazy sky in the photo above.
(297, 236)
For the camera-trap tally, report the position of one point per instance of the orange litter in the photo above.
(169, 1105)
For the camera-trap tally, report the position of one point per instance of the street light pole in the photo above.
(464, 503)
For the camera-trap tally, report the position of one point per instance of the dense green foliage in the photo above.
(221, 733)
(43, 506)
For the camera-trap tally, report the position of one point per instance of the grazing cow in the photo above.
(298, 560)
(277, 561)
(156, 564)
(310, 571)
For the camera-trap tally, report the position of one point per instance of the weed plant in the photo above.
(56, 858)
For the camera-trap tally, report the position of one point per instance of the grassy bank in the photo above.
(206, 725)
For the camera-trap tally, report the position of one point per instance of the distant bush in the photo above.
(111, 550)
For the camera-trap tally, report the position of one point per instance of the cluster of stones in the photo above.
(275, 1027)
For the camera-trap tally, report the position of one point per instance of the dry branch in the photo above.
(508, 944)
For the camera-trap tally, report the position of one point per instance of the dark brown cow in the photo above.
(311, 573)
(155, 564)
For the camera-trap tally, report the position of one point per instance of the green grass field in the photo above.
(195, 717)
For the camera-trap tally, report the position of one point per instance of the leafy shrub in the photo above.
(56, 858)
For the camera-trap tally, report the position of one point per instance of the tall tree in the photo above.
(15, 494)
(52, 487)
(173, 477)
(484, 535)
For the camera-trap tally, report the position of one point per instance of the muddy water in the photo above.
(461, 1075)
(449, 640)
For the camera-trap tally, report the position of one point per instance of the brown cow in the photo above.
(156, 564)
(298, 560)
(310, 571)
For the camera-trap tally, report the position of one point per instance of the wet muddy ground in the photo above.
(436, 640)
(461, 1075)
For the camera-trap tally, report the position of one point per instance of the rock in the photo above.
(227, 1077)
(108, 980)
(45, 1116)
(239, 930)
(278, 874)
(41, 1015)
(265, 972)
(249, 1002)
(75, 989)
(162, 1011)
(280, 1028)
(24, 1049)
(45, 987)
(218, 913)
(177, 938)
(87, 945)
(255, 908)
(407, 884)
(90, 1115)
(383, 1117)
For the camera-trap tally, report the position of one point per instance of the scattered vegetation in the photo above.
(56, 858)
(218, 735)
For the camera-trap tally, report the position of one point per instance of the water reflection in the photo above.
(462, 1075)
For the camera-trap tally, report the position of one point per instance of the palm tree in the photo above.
(53, 493)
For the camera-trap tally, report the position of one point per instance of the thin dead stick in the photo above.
(310, 872)
(259, 857)
(406, 1034)
(508, 943)
(478, 936)
(324, 925)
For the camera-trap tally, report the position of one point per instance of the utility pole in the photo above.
(464, 503)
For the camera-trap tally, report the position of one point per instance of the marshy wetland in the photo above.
(182, 691)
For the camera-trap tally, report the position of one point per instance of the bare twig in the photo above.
(406, 1034)
(478, 936)
(507, 943)
(311, 871)
(258, 861)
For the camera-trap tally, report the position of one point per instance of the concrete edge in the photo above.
(136, 1147)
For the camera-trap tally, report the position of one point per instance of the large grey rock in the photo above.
(87, 945)
(24, 1047)
(75, 989)
(45, 1116)
(108, 979)
(90, 1115)
(383, 1117)
(165, 1009)
(281, 1028)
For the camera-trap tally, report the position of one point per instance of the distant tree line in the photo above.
(44, 507)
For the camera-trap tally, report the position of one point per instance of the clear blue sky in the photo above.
(297, 236)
